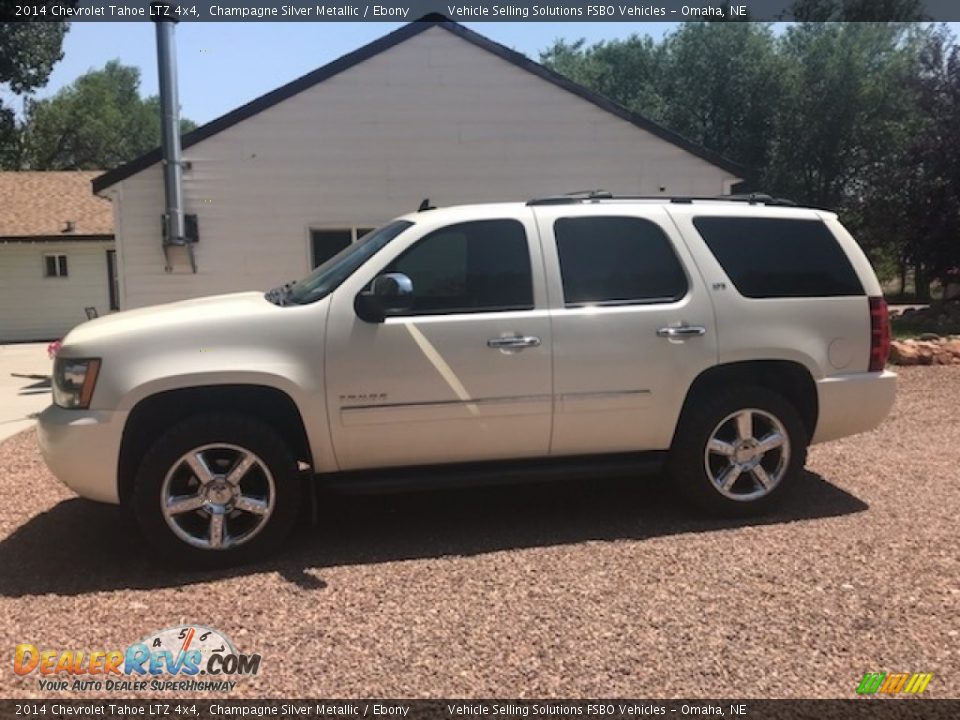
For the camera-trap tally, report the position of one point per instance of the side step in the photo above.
(434, 477)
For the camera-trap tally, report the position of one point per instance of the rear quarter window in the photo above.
(772, 258)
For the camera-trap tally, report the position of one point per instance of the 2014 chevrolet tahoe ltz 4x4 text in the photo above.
(583, 331)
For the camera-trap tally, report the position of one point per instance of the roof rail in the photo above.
(598, 195)
(573, 197)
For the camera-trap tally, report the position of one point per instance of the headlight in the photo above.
(74, 380)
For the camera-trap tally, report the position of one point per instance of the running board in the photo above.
(499, 472)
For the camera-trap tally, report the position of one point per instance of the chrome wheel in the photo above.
(747, 454)
(217, 496)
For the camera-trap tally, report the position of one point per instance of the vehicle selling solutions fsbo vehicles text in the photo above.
(492, 11)
(624, 11)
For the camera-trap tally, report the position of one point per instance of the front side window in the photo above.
(479, 266)
(779, 257)
(617, 261)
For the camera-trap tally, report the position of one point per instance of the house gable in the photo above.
(389, 41)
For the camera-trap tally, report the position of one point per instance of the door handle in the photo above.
(515, 342)
(682, 331)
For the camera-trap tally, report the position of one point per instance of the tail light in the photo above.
(879, 334)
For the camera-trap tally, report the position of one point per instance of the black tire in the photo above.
(688, 461)
(246, 433)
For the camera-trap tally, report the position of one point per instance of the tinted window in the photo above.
(470, 267)
(617, 260)
(767, 257)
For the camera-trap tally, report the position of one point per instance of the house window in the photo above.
(55, 266)
(325, 243)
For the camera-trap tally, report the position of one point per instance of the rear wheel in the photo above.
(738, 449)
(217, 490)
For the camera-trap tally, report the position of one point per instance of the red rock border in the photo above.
(926, 351)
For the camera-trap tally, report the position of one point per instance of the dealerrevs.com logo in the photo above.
(181, 658)
(894, 683)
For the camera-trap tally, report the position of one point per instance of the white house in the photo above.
(430, 110)
(57, 254)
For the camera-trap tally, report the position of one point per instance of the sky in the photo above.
(224, 65)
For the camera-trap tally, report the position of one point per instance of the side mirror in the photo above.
(389, 293)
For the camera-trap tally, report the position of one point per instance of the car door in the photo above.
(465, 374)
(632, 325)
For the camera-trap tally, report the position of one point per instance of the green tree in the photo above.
(28, 52)
(721, 85)
(629, 72)
(916, 203)
(714, 83)
(859, 117)
(99, 121)
(841, 110)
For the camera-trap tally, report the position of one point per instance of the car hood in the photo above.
(220, 309)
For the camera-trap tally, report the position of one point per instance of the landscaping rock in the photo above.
(904, 352)
(928, 350)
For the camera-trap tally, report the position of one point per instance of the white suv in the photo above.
(585, 333)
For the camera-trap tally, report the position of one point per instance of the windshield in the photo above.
(327, 277)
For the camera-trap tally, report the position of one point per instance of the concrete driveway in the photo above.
(21, 398)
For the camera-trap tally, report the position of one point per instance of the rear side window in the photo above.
(769, 257)
(617, 261)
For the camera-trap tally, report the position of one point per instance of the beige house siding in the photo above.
(434, 116)
(34, 307)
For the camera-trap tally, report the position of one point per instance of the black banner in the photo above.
(175, 709)
(469, 10)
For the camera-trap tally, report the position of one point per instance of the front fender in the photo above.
(124, 386)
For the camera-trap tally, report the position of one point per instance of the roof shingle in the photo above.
(39, 204)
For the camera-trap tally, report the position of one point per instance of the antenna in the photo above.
(425, 205)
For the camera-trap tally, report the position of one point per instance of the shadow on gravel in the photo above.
(80, 547)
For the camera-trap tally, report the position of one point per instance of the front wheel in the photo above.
(737, 450)
(217, 490)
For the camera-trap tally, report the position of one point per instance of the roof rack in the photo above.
(573, 197)
(598, 195)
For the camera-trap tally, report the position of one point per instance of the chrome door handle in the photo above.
(513, 342)
(682, 331)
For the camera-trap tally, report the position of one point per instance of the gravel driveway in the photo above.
(576, 589)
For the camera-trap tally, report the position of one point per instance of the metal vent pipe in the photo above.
(170, 127)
